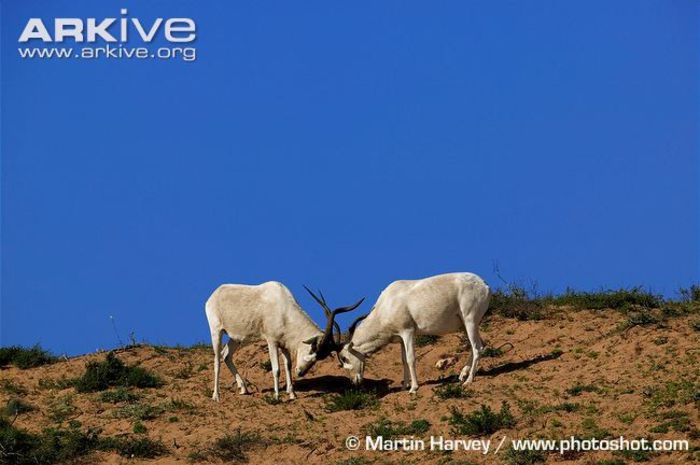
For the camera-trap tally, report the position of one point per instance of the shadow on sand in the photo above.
(338, 384)
(504, 368)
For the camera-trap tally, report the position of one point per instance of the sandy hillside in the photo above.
(605, 381)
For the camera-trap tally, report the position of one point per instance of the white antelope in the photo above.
(437, 305)
(268, 311)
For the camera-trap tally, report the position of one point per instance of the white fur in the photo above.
(266, 311)
(437, 305)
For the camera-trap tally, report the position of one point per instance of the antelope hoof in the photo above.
(215, 397)
(292, 396)
(242, 391)
(413, 390)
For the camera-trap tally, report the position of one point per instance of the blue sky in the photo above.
(344, 146)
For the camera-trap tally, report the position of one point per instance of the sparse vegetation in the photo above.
(11, 387)
(271, 400)
(388, 429)
(139, 428)
(577, 389)
(99, 376)
(452, 391)
(492, 352)
(25, 358)
(524, 457)
(139, 411)
(673, 421)
(118, 395)
(640, 318)
(481, 422)
(16, 406)
(351, 400)
(61, 408)
(133, 446)
(516, 302)
(230, 448)
(61, 445)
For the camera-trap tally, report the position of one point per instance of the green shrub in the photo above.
(16, 406)
(516, 302)
(616, 299)
(577, 389)
(691, 294)
(481, 422)
(19, 447)
(55, 445)
(641, 318)
(524, 457)
(351, 400)
(130, 446)
(11, 387)
(139, 411)
(452, 391)
(139, 428)
(388, 429)
(232, 447)
(99, 376)
(118, 395)
(24, 358)
(61, 408)
(492, 352)
(271, 400)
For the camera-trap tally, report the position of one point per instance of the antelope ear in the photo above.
(310, 340)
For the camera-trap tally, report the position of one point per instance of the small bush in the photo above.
(55, 445)
(643, 318)
(178, 405)
(139, 428)
(231, 447)
(61, 408)
(516, 302)
(481, 422)
(673, 420)
(452, 391)
(139, 411)
(426, 340)
(577, 389)
(59, 384)
(24, 358)
(16, 406)
(130, 446)
(271, 400)
(351, 400)
(118, 395)
(616, 299)
(11, 387)
(493, 352)
(524, 457)
(388, 429)
(691, 294)
(99, 376)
